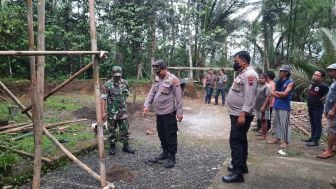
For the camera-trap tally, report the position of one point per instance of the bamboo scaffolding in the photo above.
(60, 146)
(39, 92)
(37, 82)
(47, 127)
(100, 135)
(25, 153)
(64, 83)
(42, 52)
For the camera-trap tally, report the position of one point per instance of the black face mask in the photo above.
(236, 66)
(157, 70)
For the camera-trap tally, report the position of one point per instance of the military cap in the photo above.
(332, 66)
(116, 71)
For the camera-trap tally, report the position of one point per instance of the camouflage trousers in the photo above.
(116, 127)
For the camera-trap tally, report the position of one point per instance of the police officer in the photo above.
(114, 94)
(240, 101)
(166, 96)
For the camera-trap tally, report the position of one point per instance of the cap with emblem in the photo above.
(158, 65)
(116, 71)
(332, 66)
(285, 68)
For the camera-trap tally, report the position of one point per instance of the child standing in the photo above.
(262, 105)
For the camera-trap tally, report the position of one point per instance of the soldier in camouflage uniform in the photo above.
(115, 92)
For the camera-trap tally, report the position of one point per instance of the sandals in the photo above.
(261, 138)
(284, 145)
(325, 155)
(275, 141)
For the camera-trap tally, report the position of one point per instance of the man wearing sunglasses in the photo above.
(166, 95)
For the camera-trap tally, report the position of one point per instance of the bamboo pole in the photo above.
(100, 136)
(42, 53)
(25, 153)
(13, 126)
(64, 83)
(66, 152)
(198, 68)
(12, 96)
(49, 126)
(70, 155)
(38, 117)
(21, 128)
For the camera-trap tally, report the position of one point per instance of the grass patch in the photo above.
(8, 159)
(4, 113)
(59, 103)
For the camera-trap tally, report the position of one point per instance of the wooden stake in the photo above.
(25, 153)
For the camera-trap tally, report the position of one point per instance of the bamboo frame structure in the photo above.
(37, 85)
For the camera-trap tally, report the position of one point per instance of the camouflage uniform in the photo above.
(117, 92)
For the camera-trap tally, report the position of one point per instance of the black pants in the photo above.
(167, 130)
(238, 142)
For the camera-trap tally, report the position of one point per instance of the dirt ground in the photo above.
(202, 157)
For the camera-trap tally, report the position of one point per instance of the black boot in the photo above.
(244, 169)
(159, 159)
(233, 177)
(171, 162)
(112, 149)
(127, 148)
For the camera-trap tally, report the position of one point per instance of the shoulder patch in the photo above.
(250, 80)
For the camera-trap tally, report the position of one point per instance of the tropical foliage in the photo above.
(135, 32)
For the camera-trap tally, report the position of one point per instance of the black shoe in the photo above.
(307, 140)
(112, 149)
(170, 163)
(128, 149)
(164, 155)
(312, 143)
(233, 177)
(244, 171)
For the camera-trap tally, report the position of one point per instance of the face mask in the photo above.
(157, 70)
(236, 66)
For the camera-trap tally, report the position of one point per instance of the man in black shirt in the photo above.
(316, 96)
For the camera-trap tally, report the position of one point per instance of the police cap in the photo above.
(159, 63)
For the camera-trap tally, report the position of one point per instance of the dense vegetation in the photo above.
(276, 32)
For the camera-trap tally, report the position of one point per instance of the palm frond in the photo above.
(300, 77)
(329, 44)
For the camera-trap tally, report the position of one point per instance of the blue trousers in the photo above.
(222, 91)
(315, 117)
(208, 94)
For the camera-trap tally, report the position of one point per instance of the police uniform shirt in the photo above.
(166, 95)
(242, 94)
